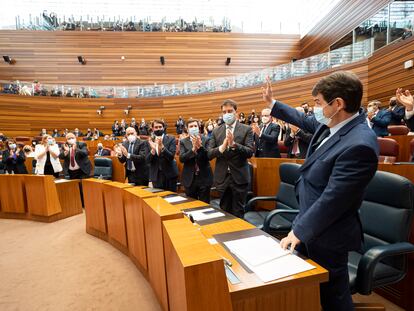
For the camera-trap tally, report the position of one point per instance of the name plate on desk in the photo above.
(153, 190)
(177, 199)
(207, 215)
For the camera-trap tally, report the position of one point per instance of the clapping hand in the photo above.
(230, 138)
(160, 144)
(153, 146)
(405, 98)
(196, 140)
(123, 150)
(267, 91)
(256, 129)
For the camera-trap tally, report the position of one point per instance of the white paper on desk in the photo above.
(59, 181)
(175, 199)
(256, 250)
(281, 267)
(201, 214)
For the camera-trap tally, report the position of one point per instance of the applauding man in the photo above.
(231, 144)
(75, 155)
(133, 153)
(163, 168)
(266, 137)
(197, 176)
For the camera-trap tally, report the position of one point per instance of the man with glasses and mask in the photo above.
(231, 144)
(163, 168)
(197, 176)
(75, 155)
(341, 160)
(133, 153)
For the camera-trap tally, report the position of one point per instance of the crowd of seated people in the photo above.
(51, 22)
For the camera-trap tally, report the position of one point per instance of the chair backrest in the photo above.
(250, 184)
(282, 149)
(103, 166)
(386, 212)
(286, 197)
(389, 150)
(398, 130)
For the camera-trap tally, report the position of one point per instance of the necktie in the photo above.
(72, 157)
(324, 134)
(129, 161)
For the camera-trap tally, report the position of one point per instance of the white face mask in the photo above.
(265, 120)
(132, 138)
(370, 109)
(71, 141)
(320, 117)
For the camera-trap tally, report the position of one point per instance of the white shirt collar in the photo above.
(340, 125)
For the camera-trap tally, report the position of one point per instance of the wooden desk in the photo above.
(94, 207)
(404, 142)
(12, 195)
(46, 199)
(134, 220)
(156, 210)
(115, 214)
(192, 265)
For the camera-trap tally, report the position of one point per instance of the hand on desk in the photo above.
(291, 240)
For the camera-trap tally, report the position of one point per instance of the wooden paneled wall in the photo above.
(51, 56)
(21, 115)
(342, 19)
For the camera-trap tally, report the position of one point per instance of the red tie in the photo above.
(72, 158)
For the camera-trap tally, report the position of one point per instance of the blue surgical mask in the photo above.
(320, 117)
(229, 118)
(50, 142)
(194, 131)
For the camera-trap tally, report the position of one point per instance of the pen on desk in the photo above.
(226, 261)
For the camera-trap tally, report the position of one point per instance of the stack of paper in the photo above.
(264, 256)
(206, 213)
(174, 199)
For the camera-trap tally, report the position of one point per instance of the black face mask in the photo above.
(158, 132)
(393, 103)
(306, 110)
(100, 147)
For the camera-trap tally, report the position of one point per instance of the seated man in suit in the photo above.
(163, 168)
(197, 176)
(77, 133)
(341, 161)
(133, 153)
(378, 119)
(397, 112)
(266, 137)
(297, 140)
(231, 144)
(75, 155)
(101, 151)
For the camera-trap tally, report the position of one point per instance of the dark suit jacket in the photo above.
(16, 165)
(165, 161)
(138, 157)
(104, 153)
(333, 181)
(266, 144)
(380, 123)
(235, 159)
(397, 114)
(81, 157)
(189, 159)
(303, 139)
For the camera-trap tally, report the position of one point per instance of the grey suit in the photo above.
(231, 174)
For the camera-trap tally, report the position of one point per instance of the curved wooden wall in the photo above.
(21, 115)
(342, 19)
(51, 56)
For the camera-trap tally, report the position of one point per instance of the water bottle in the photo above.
(100, 177)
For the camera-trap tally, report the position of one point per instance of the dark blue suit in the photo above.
(330, 191)
(380, 123)
(397, 115)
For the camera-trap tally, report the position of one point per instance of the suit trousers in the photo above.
(78, 174)
(134, 179)
(165, 183)
(232, 196)
(198, 190)
(335, 294)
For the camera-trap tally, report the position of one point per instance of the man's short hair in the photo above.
(191, 120)
(229, 102)
(342, 84)
(375, 102)
(158, 121)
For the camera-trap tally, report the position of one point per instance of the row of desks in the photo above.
(185, 271)
(39, 198)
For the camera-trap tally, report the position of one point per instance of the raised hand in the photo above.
(267, 92)
(405, 98)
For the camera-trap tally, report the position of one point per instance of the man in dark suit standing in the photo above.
(378, 119)
(133, 153)
(266, 137)
(231, 144)
(341, 160)
(197, 176)
(75, 155)
(297, 140)
(163, 168)
(397, 112)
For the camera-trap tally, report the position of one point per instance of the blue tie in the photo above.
(129, 161)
